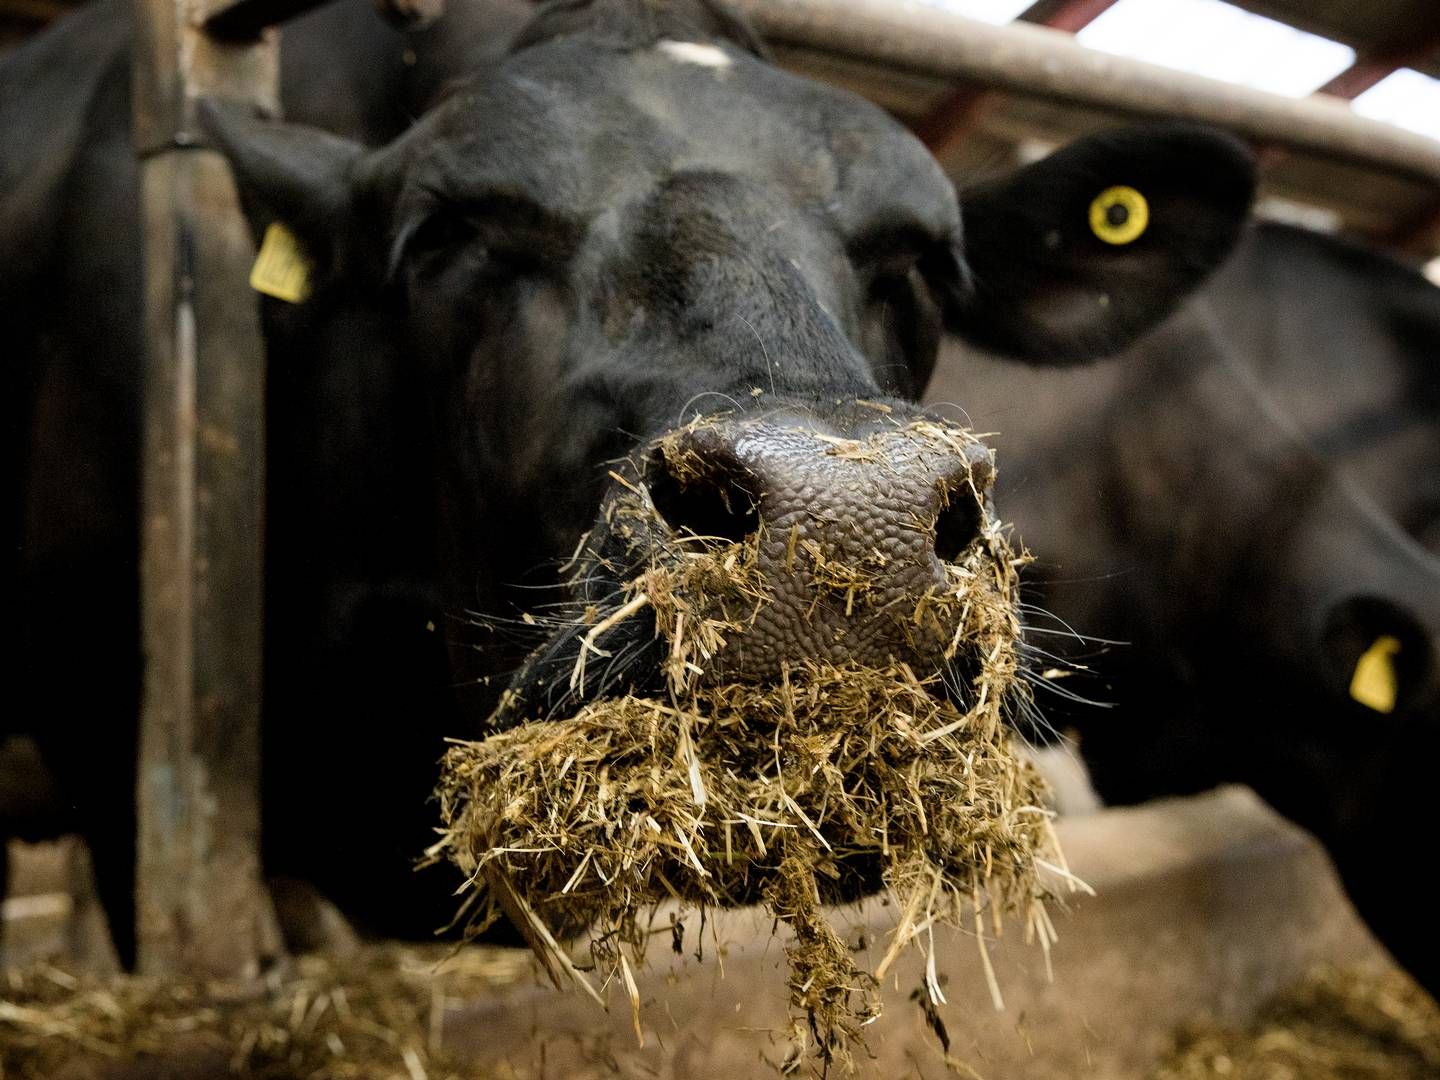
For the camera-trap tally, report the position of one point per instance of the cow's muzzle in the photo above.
(848, 532)
(735, 549)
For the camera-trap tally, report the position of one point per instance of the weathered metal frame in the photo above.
(952, 118)
(1046, 63)
(201, 905)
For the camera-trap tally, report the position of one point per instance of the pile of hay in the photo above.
(371, 1016)
(812, 789)
(1336, 1025)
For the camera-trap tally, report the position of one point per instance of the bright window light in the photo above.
(1405, 98)
(995, 12)
(1432, 271)
(1209, 37)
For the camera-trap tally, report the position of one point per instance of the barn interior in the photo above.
(1204, 919)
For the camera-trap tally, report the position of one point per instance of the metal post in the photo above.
(202, 907)
(201, 904)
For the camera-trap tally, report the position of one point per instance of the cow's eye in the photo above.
(442, 237)
(498, 236)
(901, 325)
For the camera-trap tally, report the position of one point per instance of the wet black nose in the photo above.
(699, 485)
(725, 480)
(850, 529)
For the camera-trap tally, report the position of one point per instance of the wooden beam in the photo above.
(202, 908)
(1072, 16)
(951, 118)
(1359, 77)
(955, 115)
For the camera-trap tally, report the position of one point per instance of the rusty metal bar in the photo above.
(1049, 64)
(1360, 76)
(949, 121)
(202, 908)
(1068, 15)
(1373, 67)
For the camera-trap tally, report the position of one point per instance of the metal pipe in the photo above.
(1044, 63)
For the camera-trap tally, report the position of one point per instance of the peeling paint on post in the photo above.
(202, 908)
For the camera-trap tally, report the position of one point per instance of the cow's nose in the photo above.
(699, 484)
(714, 481)
(851, 528)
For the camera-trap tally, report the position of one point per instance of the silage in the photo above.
(796, 793)
(1337, 1024)
(374, 1015)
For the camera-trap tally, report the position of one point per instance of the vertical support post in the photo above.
(201, 905)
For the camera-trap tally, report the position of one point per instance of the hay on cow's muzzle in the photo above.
(812, 789)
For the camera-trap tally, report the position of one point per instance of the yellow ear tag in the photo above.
(1119, 215)
(282, 269)
(1374, 683)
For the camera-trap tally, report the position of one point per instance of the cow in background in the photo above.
(1237, 531)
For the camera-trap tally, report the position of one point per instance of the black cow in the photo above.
(615, 220)
(1250, 501)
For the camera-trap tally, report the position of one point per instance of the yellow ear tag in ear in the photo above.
(1374, 683)
(282, 269)
(1119, 215)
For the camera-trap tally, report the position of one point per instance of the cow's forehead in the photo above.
(580, 128)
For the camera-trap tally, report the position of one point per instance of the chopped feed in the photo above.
(374, 1015)
(1338, 1024)
(814, 788)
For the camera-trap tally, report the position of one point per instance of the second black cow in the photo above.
(1246, 506)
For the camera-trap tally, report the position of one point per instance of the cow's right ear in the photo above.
(1076, 255)
(298, 176)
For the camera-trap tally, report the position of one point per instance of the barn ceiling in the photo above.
(975, 130)
(1403, 30)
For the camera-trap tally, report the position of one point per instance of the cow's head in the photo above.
(634, 221)
(1251, 506)
(1338, 343)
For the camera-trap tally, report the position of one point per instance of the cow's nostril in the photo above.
(711, 497)
(957, 524)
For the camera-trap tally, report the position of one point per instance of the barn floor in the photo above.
(1205, 908)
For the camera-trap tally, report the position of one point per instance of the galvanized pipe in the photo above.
(1045, 63)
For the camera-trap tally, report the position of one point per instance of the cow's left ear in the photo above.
(289, 174)
(1077, 255)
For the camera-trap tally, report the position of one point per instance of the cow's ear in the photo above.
(1077, 255)
(297, 176)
